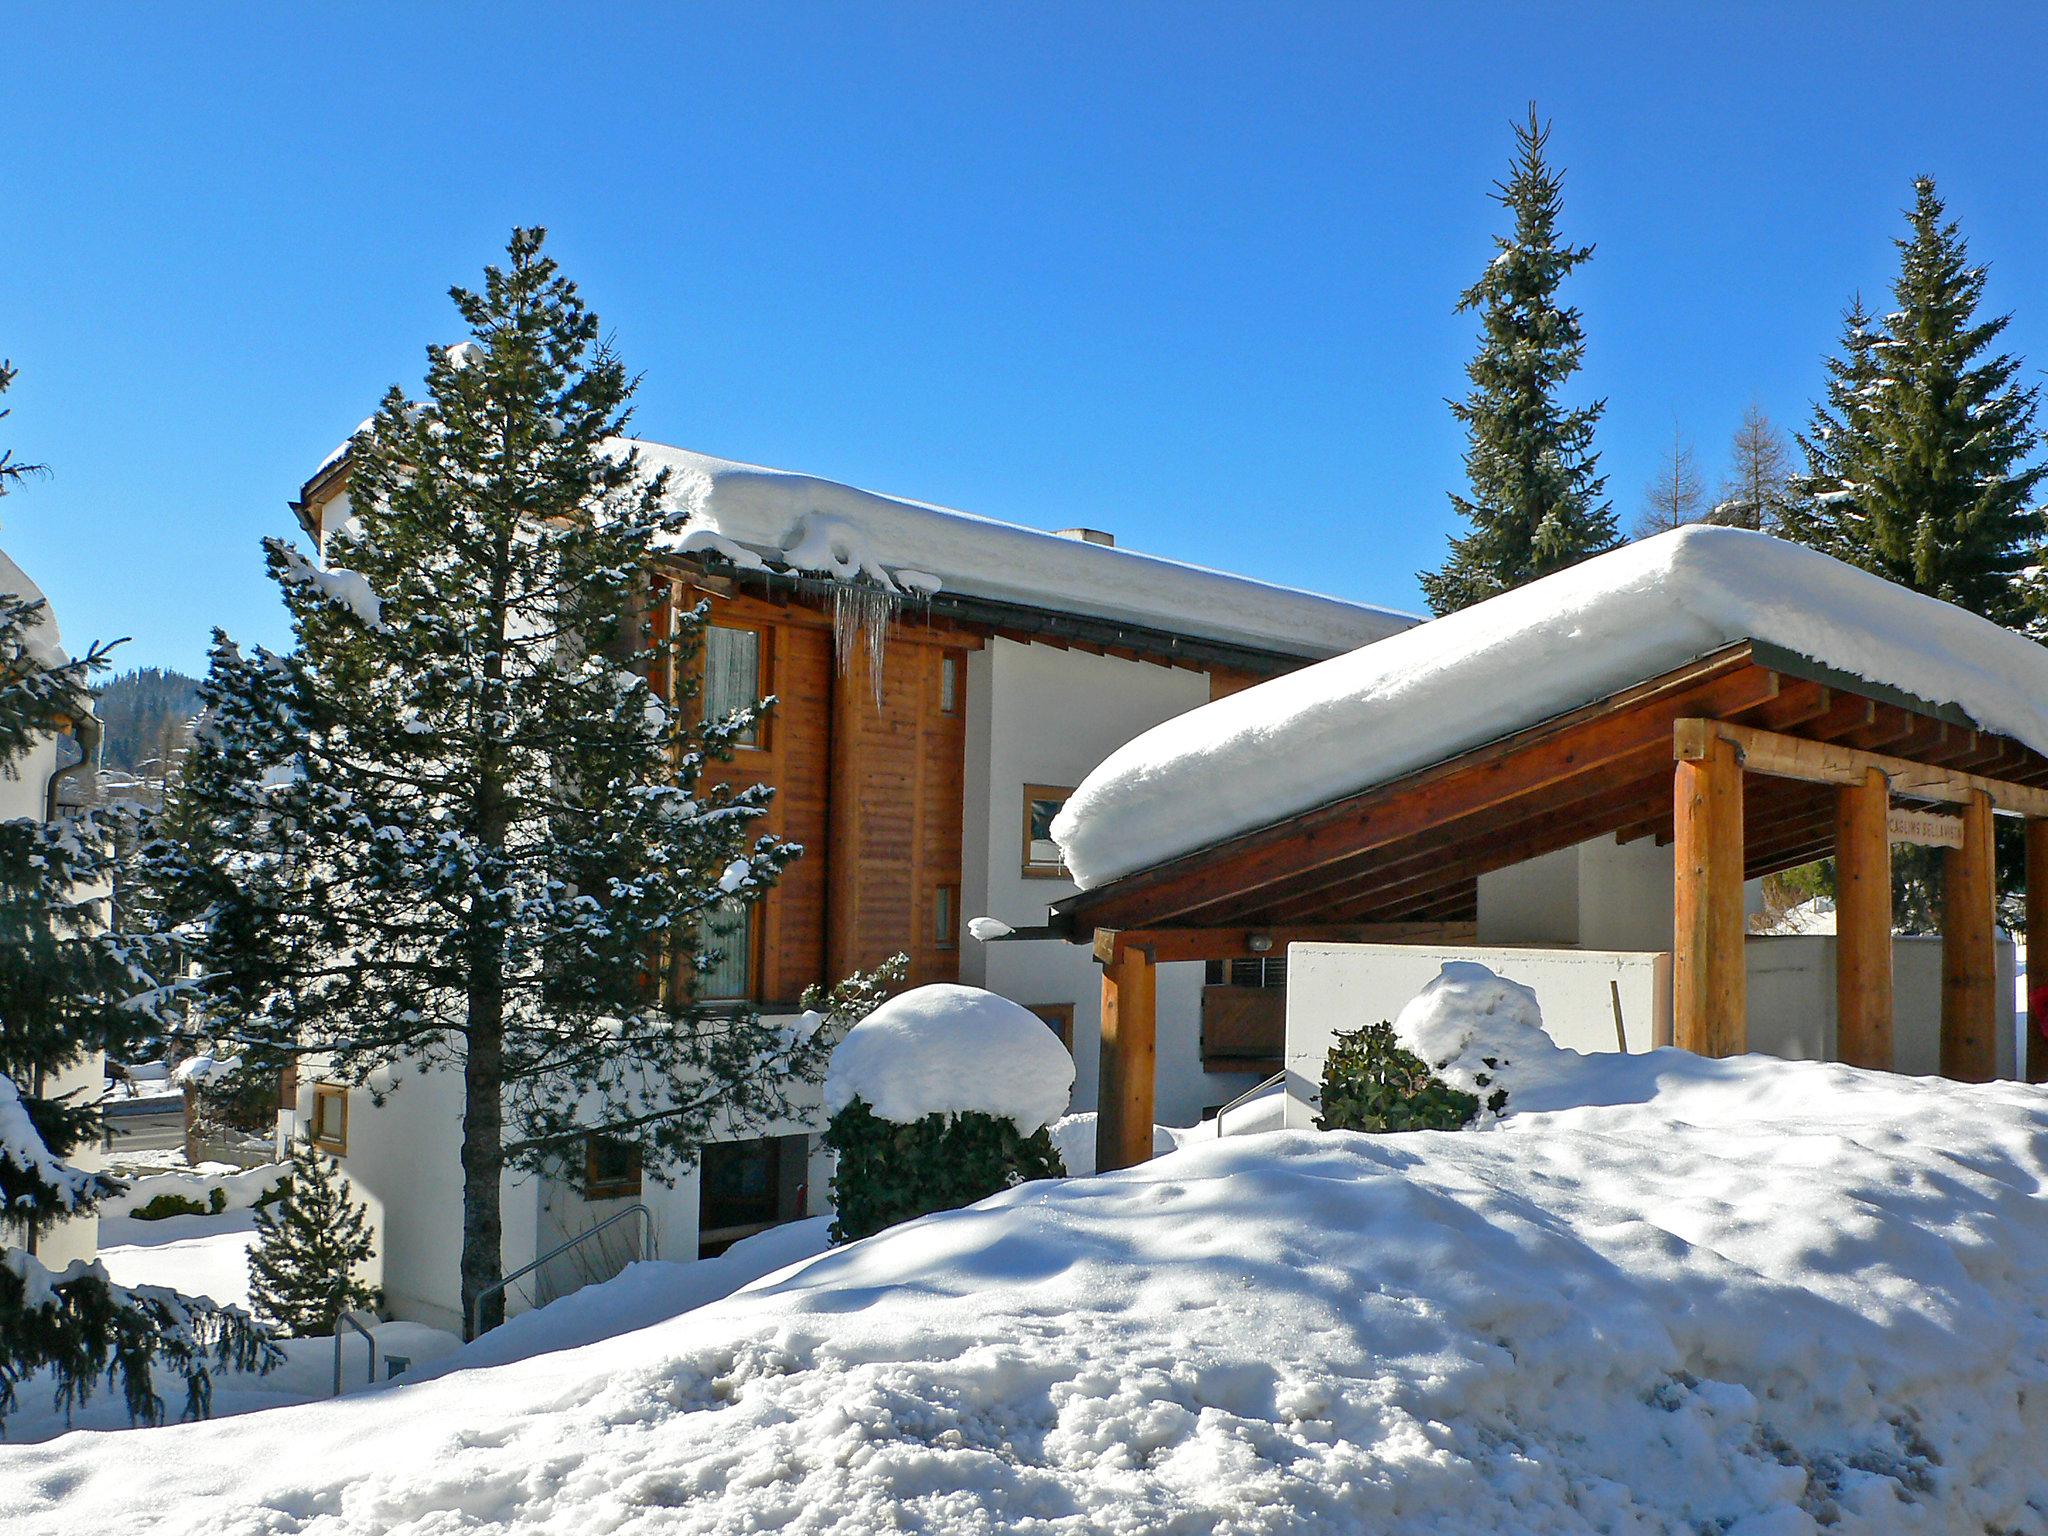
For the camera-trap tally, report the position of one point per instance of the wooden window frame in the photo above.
(1059, 1018)
(764, 677)
(946, 905)
(1032, 792)
(755, 953)
(338, 1146)
(596, 1188)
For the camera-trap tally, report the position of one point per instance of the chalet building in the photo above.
(942, 682)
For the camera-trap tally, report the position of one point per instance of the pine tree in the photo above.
(455, 828)
(1756, 493)
(74, 980)
(1536, 492)
(1675, 495)
(305, 1269)
(1917, 465)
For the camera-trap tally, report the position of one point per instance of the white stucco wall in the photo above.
(1039, 714)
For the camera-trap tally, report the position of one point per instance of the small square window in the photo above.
(951, 674)
(946, 917)
(329, 1130)
(732, 676)
(1059, 1018)
(611, 1168)
(1042, 803)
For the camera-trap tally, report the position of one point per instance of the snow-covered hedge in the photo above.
(939, 1098)
(239, 1188)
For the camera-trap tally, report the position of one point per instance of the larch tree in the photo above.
(455, 828)
(1675, 495)
(75, 980)
(1757, 490)
(1536, 502)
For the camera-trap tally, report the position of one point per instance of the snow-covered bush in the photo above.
(1441, 1064)
(939, 1098)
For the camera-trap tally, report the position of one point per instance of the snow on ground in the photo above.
(1660, 1294)
(194, 1255)
(1429, 693)
(947, 1048)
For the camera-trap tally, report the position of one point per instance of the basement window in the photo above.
(746, 1187)
(1256, 971)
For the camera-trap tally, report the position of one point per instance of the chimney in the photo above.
(1089, 536)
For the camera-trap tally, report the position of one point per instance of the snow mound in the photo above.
(1741, 1296)
(1480, 1032)
(1431, 692)
(948, 1049)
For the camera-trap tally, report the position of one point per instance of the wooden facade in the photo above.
(1747, 761)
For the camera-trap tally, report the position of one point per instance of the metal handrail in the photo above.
(347, 1320)
(646, 1252)
(1245, 1098)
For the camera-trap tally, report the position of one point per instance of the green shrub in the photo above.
(160, 1207)
(1371, 1082)
(889, 1172)
(272, 1193)
(216, 1200)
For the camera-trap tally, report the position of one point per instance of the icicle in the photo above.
(861, 613)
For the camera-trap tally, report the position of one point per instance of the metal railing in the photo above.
(1245, 1098)
(646, 1252)
(347, 1320)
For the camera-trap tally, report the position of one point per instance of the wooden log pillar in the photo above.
(2036, 1064)
(1709, 986)
(1124, 1094)
(1969, 959)
(1863, 924)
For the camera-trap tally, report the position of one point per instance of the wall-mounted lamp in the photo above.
(1259, 943)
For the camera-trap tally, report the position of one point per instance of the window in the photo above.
(330, 1118)
(1042, 802)
(745, 1187)
(1255, 971)
(611, 1168)
(732, 676)
(725, 937)
(952, 673)
(946, 917)
(1059, 1018)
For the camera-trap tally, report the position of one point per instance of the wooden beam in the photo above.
(1969, 960)
(1171, 944)
(1130, 1026)
(2036, 1065)
(1863, 924)
(1709, 986)
(1826, 762)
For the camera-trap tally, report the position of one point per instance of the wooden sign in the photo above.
(1930, 829)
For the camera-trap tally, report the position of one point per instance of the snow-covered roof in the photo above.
(45, 643)
(772, 518)
(1442, 688)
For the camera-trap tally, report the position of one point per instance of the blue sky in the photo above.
(1186, 272)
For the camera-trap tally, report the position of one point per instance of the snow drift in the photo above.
(1442, 688)
(1660, 1294)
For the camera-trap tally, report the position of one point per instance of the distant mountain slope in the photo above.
(146, 713)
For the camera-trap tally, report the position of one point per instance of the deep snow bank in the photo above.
(1743, 1297)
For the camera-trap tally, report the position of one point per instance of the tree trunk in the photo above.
(483, 1160)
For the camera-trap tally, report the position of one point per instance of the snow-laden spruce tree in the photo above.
(74, 981)
(1537, 497)
(305, 1267)
(1918, 460)
(1919, 468)
(455, 828)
